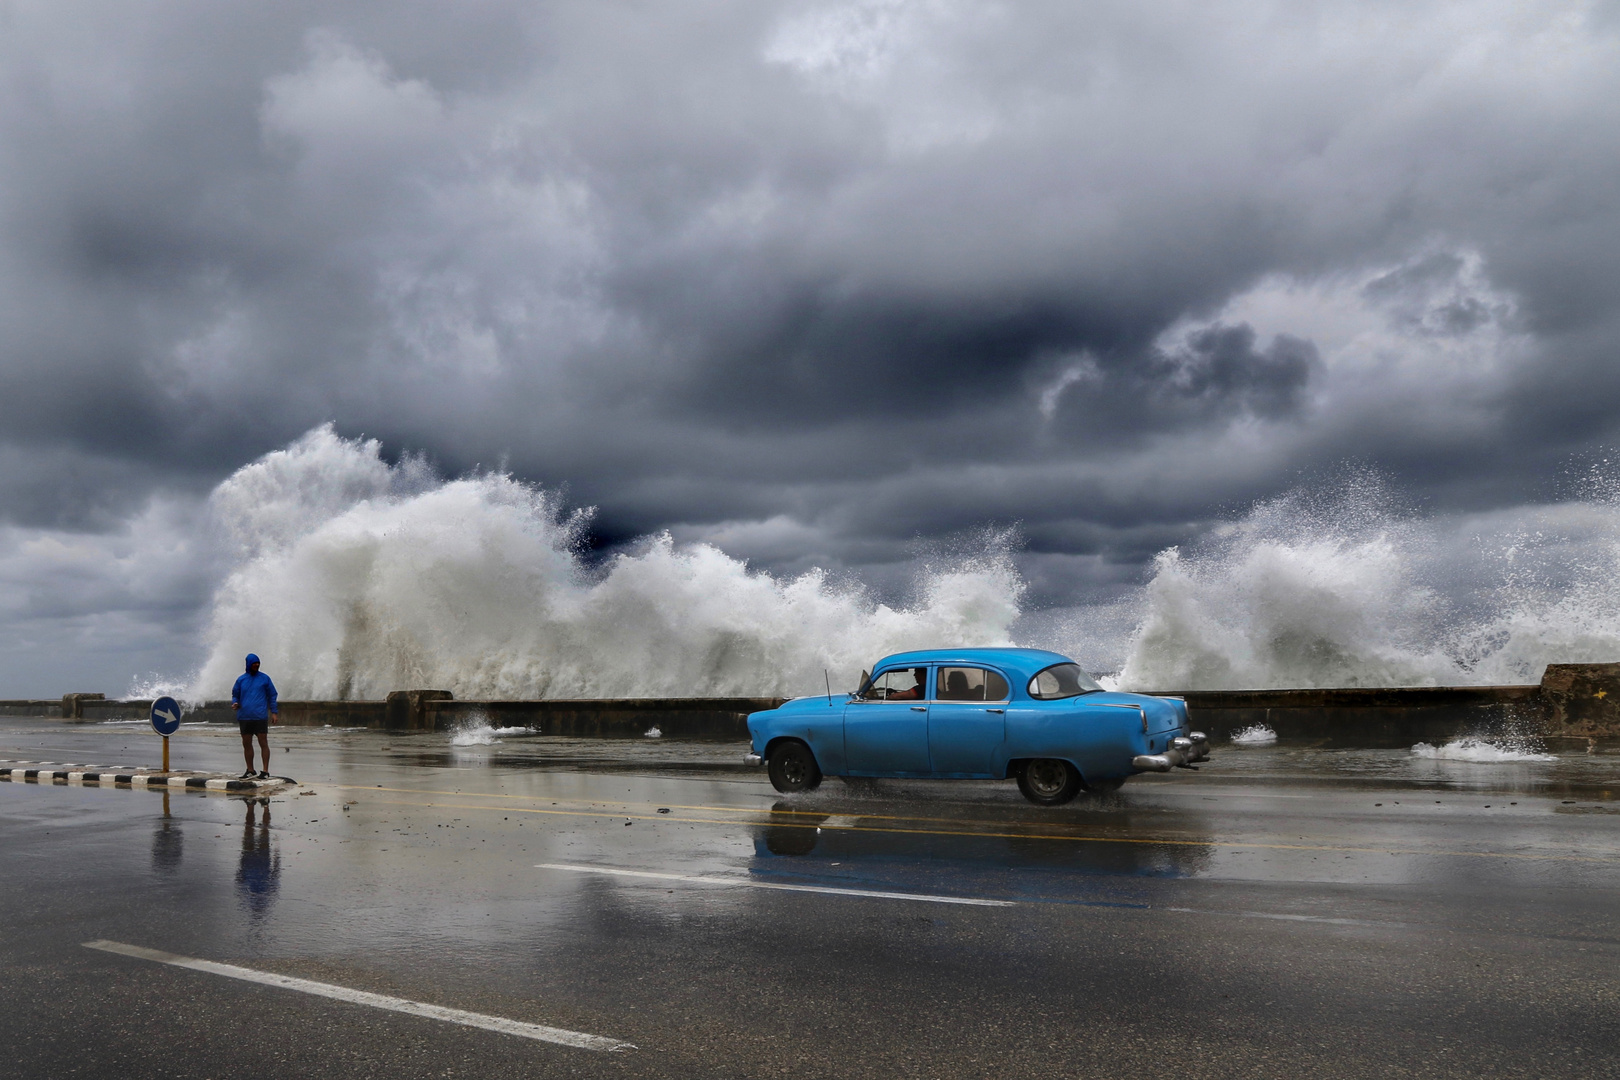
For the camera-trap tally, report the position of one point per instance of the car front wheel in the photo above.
(1048, 781)
(792, 767)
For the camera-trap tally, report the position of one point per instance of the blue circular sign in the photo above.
(165, 716)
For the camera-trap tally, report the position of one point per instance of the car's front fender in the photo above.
(816, 724)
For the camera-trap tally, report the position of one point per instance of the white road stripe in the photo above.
(928, 898)
(561, 1036)
(1283, 917)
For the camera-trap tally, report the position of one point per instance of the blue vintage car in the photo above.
(977, 713)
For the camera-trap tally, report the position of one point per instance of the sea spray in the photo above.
(1481, 751)
(368, 578)
(357, 577)
(476, 730)
(1254, 735)
(1341, 586)
(1298, 593)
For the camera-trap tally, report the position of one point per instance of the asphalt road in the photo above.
(1283, 912)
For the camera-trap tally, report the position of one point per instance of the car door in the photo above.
(967, 720)
(886, 726)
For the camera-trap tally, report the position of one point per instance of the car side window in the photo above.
(970, 684)
(898, 684)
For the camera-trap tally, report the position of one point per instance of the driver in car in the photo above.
(915, 691)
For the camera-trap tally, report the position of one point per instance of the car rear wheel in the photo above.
(792, 767)
(1048, 781)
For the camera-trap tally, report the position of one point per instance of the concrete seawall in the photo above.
(1368, 717)
(1576, 702)
(1573, 701)
(434, 710)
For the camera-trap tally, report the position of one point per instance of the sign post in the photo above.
(165, 721)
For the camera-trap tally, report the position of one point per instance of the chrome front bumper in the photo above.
(1184, 753)
(753, 759)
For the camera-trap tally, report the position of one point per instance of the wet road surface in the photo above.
(1285, 911)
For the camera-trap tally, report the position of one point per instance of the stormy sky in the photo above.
(822, 283)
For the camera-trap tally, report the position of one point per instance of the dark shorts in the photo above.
(255, 727)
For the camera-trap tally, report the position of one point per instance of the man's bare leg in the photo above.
(247, 750)
(264, 748)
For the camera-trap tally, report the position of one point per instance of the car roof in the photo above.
(1017, 661)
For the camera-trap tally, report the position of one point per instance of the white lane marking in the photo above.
(562, 1036)
(1283, 917)
(697, 879)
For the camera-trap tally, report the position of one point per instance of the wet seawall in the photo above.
(1573, 701)
(435, 710)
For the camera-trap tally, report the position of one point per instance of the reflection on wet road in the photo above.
(259, 871)
(1285, 909)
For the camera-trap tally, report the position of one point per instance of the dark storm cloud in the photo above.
(865, 270)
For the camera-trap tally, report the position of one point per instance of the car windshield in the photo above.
(1061, 681)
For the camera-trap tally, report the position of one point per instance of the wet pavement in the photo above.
(1284, 911)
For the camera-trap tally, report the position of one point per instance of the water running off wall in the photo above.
(360, 577)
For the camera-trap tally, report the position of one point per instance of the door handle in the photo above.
(919, 708)
(996, 710)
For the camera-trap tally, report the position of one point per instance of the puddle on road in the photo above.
(395, 805)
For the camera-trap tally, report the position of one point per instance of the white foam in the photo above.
(654, 732)
(1479, 751)
(482, 733)
(1255, 735)
(356, 578)
(1349, 589)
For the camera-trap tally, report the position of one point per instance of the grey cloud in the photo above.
(1220, 365)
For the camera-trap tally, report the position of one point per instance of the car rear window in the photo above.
(970, 684)
(1061, 681)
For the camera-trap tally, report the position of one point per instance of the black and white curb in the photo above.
(104, 774)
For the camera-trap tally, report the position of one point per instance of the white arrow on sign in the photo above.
(167, 715)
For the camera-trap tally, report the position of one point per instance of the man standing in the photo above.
(254, 699)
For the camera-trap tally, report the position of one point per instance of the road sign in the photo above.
(165, 716)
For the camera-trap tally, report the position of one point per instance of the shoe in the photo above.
(246, 776)
(264, 776)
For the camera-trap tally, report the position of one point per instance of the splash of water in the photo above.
(1254, 735)
(1295, 594)
(359, 577)
(1349, 589)
(478, 731)
(356, 578)
(1479, 751)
